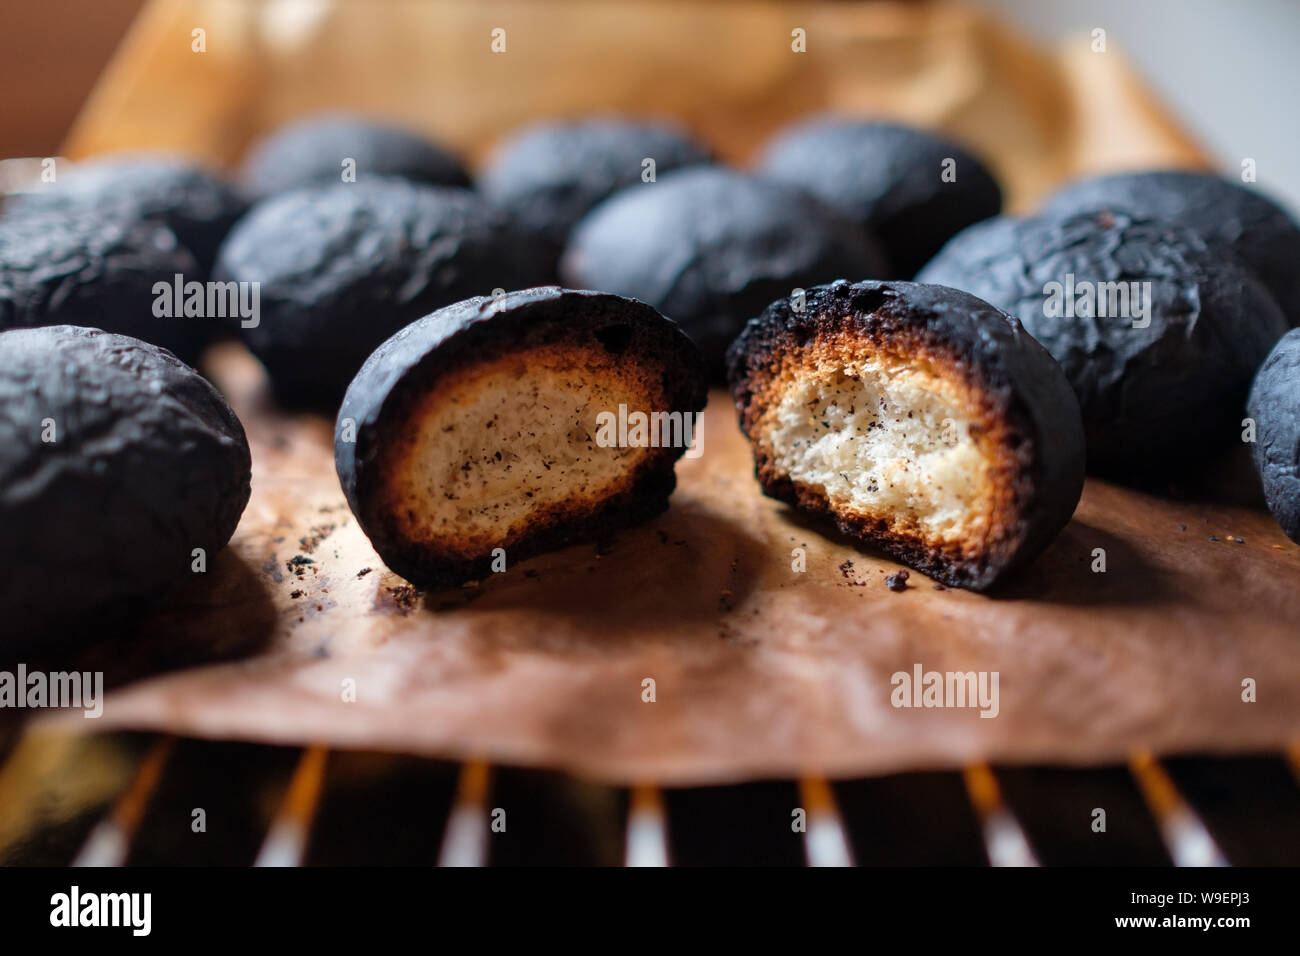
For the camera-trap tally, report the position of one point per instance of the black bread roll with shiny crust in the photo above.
(1274, 405)
(709, 248)
(487, 425)
(1158, 331)
(117, 461)
(918, 419)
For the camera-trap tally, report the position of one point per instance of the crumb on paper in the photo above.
(315, 535)
(404, 596)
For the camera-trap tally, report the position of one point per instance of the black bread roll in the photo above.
(311, 151)
(1259, 232)
(100, 271)
(342, 267)
(549, 175)
(1274, 405)
(117, 461)
(710, 248)
(194, 203)
(1161, 376)
(910, 189)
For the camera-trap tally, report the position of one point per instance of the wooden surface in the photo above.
(724, 69)
(51, 54)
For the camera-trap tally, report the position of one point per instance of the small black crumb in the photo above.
(1182, 527)
(846, 569)
(940, 587)
(297, 594)
(897, 581)
(404, 596)
(308, 542)
(298, 564)
(363, 572)
(1213, 538)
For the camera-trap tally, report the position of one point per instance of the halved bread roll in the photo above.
(919, 418)
(494, 424)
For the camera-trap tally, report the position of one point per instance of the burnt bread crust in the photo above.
(311, 150)
(710, 247)
(195, 204)
(887, 178)
(437, 483)
(549, 175)
(1259, 232)
(1154, 399)
(1274, 405)
(977, 389)
(343, 267)
(95, 270)
(146, 463)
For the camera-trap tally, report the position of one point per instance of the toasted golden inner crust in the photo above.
(899, 444)
(499, 446)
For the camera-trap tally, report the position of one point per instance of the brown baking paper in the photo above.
(298, 633)
(757, 668)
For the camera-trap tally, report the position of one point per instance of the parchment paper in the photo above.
(758, 669)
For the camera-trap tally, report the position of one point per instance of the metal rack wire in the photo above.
(316, 806)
